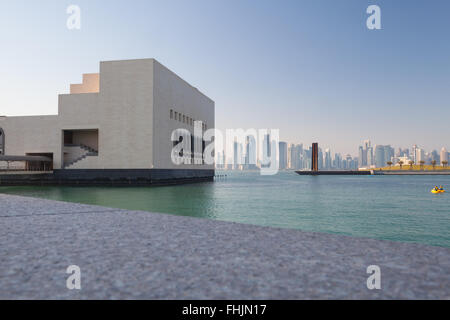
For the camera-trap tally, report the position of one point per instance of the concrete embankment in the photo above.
(335, 173)
(140, 255)
(369, 172)
(411, 173)
(107, 177)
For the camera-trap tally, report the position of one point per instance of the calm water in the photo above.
(385, 207)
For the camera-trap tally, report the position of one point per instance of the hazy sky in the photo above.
(310, 68)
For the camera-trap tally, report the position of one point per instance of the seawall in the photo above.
(411, 173)
(370, 172)
(108, 177)
(333, 173)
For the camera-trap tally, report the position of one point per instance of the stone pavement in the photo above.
(140, 255)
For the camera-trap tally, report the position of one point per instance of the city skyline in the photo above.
(310, 68)
(297, 156)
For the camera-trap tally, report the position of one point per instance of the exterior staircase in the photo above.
(81, 151)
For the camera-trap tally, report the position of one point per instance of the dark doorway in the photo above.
(68, 137)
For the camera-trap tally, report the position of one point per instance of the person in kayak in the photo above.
(436, 188)
(441, 188)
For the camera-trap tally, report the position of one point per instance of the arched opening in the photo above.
(2, 142)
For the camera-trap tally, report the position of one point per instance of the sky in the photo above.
(310, 68)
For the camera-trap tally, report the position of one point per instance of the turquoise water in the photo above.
(399, 208)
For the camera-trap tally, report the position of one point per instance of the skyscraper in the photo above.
(419, 155)
(337, 161)
(320, 159)
(307, 155)
(328, 163)
(365, 154)
(265, 160)
(295, 154)
(301, 157)
(444, 155)
(435, 156)
(370, 160)
(291, 156)
(220, 161)
(414, 153)
(250, 153)
(236, 155)
(361, 157)
(379, 156)
(282, 147)
(388, 154)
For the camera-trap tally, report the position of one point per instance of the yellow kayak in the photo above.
(437, 191)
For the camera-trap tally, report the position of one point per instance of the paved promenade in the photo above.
(139, 255)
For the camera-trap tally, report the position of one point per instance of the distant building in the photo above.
(235, 154)
(250, 153)
(370, 160)
(348, 163)
(327, 160)
(320, 159)
(267, 151)
(435, 156)
(414, 153)
(282, 158)
(419, 155)
(368, 153)
(337, 163)
(241, 156)
(404, 159)
(388, 153)
(220, 162)
(444, 155)
(307, 158)
(296, 159)
(361, 157)
(406, 153)
(365, 154)
(383, 154)
(379, 156)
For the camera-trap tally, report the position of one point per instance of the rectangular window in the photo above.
(171, 114)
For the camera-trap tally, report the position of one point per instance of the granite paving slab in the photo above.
(141, 255)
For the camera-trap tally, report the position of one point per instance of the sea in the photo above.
(397, 208)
